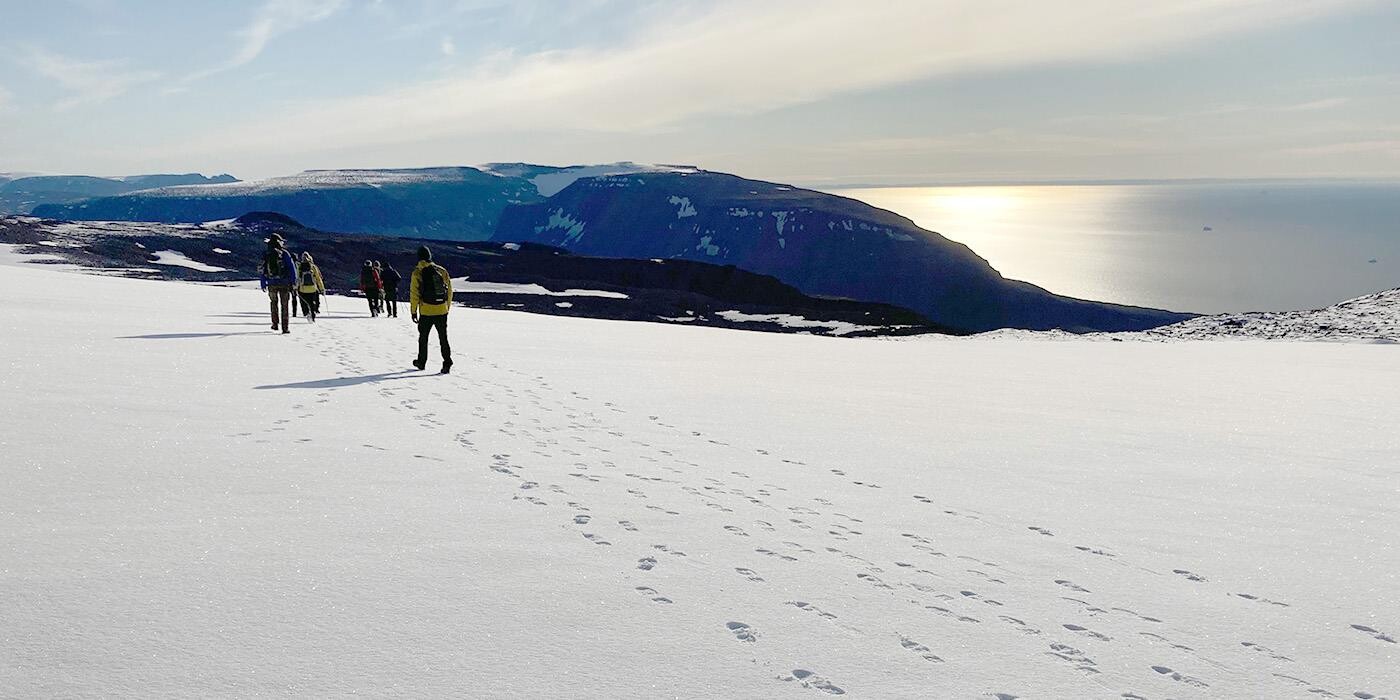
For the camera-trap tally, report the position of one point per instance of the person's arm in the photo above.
(320, 283)
(448, 278)
(413, 294)
(290, 263)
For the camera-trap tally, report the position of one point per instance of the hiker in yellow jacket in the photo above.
(310, 286)
(429, 300)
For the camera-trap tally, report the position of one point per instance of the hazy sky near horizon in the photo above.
(807, 91)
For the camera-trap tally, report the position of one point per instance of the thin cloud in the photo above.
(274, 18)
(1315, 105)
(744, 58)
(448, 47)
(89, 82)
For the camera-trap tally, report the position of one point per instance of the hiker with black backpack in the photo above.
(310, 287)
(371, 286)
(429, 300)
(277, 274)
(390, 277)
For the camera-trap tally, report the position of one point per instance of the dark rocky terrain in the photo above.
(524, 277)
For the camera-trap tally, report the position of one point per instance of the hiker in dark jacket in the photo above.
(371, 286)
(429, 300)
(310, 286)
(277, 273)
(390, 277)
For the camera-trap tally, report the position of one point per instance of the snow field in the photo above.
(198, 506)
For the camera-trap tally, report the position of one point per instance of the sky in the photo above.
(813, 92)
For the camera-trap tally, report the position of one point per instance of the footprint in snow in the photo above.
(582, 519)
(811, 680)
(648, 592)
(1071, 585)
(973, 595)
(1189, 576)
(1257, 599)
(919, 649)
(1265, 650)
(1180, 678)
(646, 563)
(1075, 657)
(743, 632)
(733, 529)
(1092, 550)
(923, 499)
(627, 525)
(749, 574)
(1041, 530)
(1019, 624)
(808, 607)
(595, 539)
(1375, 633)
(1084, 631)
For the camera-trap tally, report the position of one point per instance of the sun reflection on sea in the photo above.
(1054, 236)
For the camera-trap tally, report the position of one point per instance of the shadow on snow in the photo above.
(337, 382)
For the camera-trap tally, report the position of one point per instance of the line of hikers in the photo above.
(380, 284)
(287, 280)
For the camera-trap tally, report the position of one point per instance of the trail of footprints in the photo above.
(589, 467)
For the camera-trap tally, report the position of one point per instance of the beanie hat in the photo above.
(424, 254)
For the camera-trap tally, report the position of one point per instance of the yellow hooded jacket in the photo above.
(415, 303)
(319, 287)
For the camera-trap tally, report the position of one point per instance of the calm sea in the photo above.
(1242, 246)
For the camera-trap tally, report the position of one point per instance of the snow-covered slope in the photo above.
(1371, 317)
(195, 506)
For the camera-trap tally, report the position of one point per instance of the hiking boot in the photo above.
(419, 365)
(275, 326)
(447, 367)
(286, 331)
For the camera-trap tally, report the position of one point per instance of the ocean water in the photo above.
(1203, 247)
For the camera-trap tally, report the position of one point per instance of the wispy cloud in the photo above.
(1388, 147)
(736, 57)
(272, 19)
(1327, 103)
(447, 46)
(89, 82)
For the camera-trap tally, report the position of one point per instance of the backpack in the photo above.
(308, 277)
(369, 280)
(274, 265)
(432, 288)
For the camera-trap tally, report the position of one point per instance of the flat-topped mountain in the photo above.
(21, 195)
(457, 203)
(822, 244)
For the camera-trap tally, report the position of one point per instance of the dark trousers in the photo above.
(391, 300)
(425, 326)
(294, 303)
(276, 293)
(310, 304)
(373, 298)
